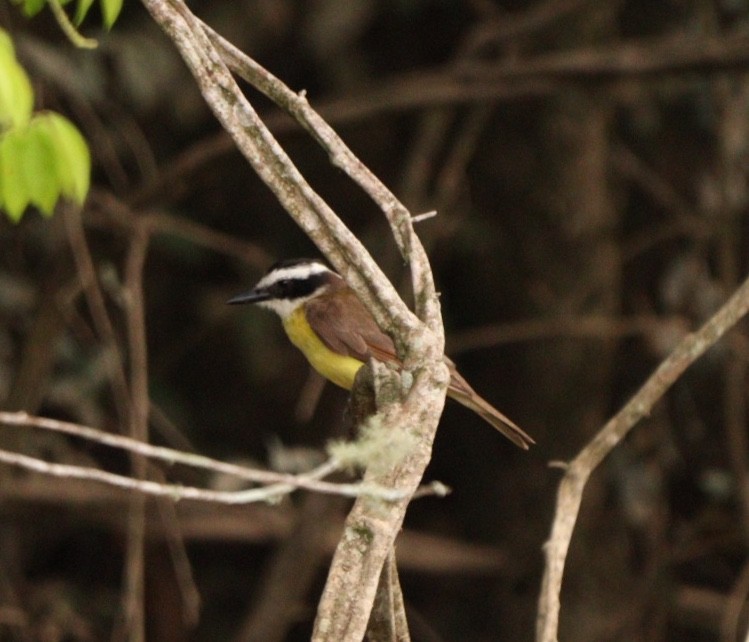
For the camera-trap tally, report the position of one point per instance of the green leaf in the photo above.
(16, 95)
(40, 163)
(81, 10)
(39, 168)
(31, 7)
(110, 9)
(72, 157)
(15, 196)
(6, 44)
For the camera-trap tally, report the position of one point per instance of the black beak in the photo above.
(253, 296)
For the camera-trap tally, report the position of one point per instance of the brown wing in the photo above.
(345, 326)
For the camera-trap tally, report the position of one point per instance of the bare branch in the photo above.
(569, 495)
(133, 595)
(175, 491)
(342, 157)
(275, 168)
(114, 359)
(308, 481)
(372, 525)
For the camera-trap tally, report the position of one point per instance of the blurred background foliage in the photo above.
(588, 164)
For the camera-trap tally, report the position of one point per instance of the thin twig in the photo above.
(595, 326)
(511, 26)
(160, 453)
(97, 307)
(442, 86)
(178, 492)
(291, 572)
(134, 581)
(183, 571)
(270, 493)
(424, 217)
(388, 619)
(124, 215)
(569, 495)
(311, 481)
(308, 481)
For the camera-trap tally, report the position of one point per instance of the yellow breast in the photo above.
(337, 368)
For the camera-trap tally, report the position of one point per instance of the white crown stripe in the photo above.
(300, 272)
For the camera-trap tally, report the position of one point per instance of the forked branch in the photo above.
(372, 524)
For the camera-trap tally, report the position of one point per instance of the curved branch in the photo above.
(342, 157)
(569, 495)
(372, 525)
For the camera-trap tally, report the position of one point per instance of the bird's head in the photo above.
(289, 284)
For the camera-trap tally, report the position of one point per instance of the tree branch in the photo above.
(276, 483)
(274, 167)
(372, 525)
(342, 157)
(577, 472)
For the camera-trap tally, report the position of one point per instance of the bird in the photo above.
(325, 319)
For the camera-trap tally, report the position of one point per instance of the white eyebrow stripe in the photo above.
(293, 272)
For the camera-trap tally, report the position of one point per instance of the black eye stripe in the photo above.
(297, 288)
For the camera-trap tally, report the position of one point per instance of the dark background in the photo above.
(588, 164)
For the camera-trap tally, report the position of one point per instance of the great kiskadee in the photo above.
(325, 319)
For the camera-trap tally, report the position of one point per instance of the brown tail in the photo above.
(462, 392)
